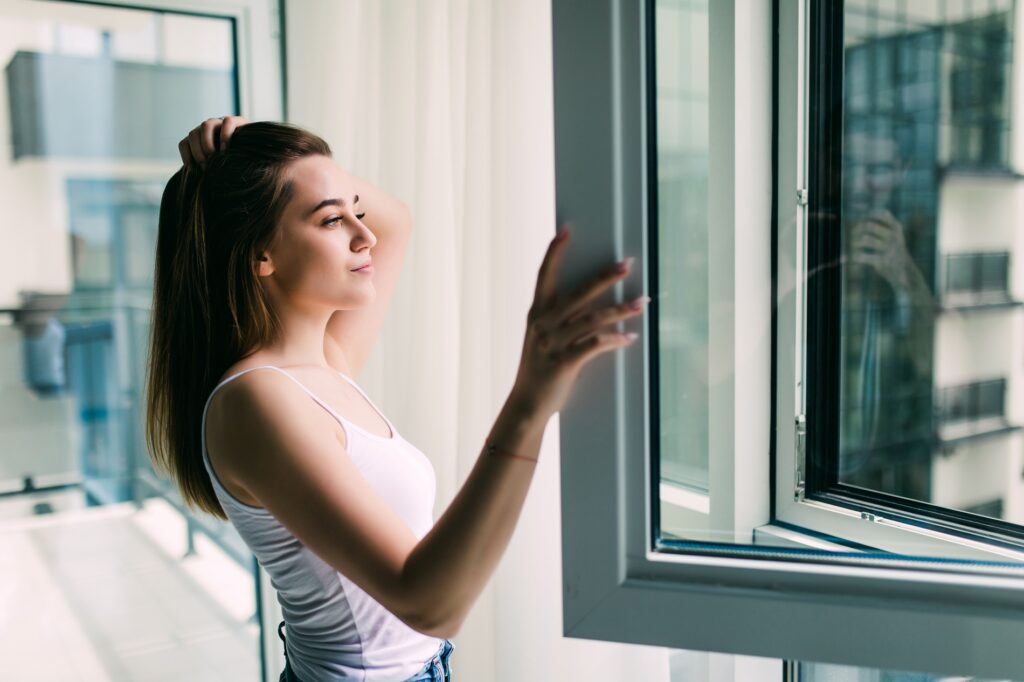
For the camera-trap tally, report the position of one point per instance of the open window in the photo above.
(813, 451)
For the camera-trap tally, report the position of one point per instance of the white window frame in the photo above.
(260, 97)
(616, 588)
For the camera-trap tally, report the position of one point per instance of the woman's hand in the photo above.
(564, 335)
(879, 242)
(210, 135)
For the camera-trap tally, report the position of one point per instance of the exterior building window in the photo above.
(977, 277)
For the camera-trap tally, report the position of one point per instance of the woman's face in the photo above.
(320, 241)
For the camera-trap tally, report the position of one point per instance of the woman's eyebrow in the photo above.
(331, 202)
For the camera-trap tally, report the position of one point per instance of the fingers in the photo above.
(231, 123)
(872, 242)
(885, 217)
(567, 326)
(586, 348)
(206, 138)
(206, 130)
(196, 148)
(873, 229)
(587, 322)
(186, 154)
(873, 260)
(200, 140)
(595, 287)
(880, 235)
(548, 273)
(883, 221)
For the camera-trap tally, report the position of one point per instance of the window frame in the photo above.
(257, 23)
(617, 585)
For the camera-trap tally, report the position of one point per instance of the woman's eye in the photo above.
(338, 217)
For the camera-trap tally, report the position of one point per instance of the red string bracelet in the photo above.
(491, 448)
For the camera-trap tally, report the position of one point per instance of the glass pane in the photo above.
(100, 550)
(930, 378)
(994, 271)
(682, 156)
(960, 274)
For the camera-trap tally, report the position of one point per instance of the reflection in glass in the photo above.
(932, 323)
(96, 99)
(929, 325)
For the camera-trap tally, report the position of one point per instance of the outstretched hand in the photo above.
(563, 333)
(210, 135)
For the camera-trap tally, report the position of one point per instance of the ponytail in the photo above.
(209, 309)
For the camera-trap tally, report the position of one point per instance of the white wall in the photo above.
(982, 214)
(981, 471)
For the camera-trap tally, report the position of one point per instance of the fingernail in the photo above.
(563, 233)
(638, 303)
(631, 336)
(624, 265)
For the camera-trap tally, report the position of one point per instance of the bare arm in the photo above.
(272, 445)
(271, 442)
(451, 565)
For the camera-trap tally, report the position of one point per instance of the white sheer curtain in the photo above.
(447, 104)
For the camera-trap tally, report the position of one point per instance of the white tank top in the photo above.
(334, 630)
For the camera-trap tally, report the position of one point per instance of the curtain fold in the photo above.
(447, 105)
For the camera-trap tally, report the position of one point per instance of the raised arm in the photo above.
(353, 333)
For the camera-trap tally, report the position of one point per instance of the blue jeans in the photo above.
(436, 669)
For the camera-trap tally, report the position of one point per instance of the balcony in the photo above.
(974, 281)
(972, 411)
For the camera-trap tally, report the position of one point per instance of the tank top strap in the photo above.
(316, 398)
(372, 404)
(238, 374)
(250, 369)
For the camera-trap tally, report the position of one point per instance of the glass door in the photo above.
(114, 578)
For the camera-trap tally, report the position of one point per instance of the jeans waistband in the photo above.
(438, 666)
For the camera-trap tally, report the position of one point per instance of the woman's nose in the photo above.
(367, 233)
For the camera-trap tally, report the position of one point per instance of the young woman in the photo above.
(265, 309)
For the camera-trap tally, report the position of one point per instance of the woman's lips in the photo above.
(367, 269)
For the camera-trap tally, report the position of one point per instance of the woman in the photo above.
(263, 313)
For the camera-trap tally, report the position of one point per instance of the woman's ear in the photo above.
(265, 267)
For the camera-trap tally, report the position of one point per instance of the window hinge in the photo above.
(801, 197)
(801, 456)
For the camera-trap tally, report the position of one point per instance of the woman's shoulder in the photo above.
(238, 386)
(265, 391)
(263, 401)
(335, 360)
(225, 412)
(246, 363)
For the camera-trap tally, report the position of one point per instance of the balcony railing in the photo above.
(970, 411)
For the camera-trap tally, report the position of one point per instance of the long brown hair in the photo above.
(209, 309)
